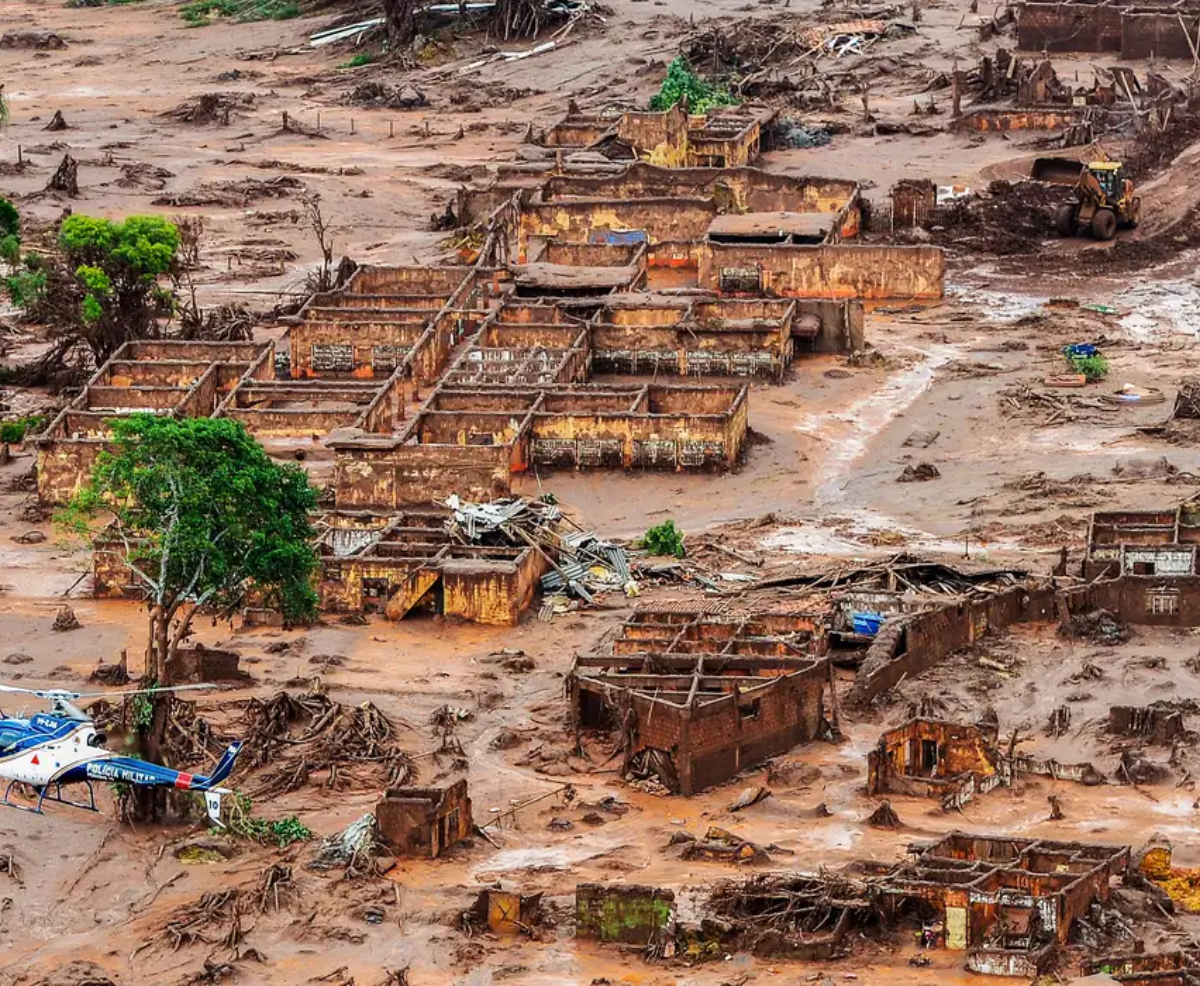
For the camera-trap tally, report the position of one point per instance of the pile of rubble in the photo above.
(581, 563)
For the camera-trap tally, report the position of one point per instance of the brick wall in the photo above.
(634, 915)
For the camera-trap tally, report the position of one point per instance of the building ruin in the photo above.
(699, 696)
(1007, 902)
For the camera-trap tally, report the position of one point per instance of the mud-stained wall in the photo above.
(1068, 27)
(1146, 600)
(408, 280)
(384, 479)
(292, 422)
(960, 749)
(910, 645)
(826, 272)
(64, 466)
(495, 593)
(424, 821)
(1158, 35)
(614, 220)
(999, 121)
(343, 349)
(733, 189)
(633, 915)
(725, 737)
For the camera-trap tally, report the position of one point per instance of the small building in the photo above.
(424, 821)
(699, 696)
(1159, 543)
(931, 758)
(954, 762)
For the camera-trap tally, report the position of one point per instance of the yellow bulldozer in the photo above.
(1104, 198)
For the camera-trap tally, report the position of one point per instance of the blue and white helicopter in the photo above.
(62, 746)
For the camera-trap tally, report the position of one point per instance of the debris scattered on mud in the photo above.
(212, 107)
(920, 473)
(38, 40)
(65, 620)
(406, 97)
(239, 193)
(1099, 626)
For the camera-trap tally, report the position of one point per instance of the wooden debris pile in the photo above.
(299, 736)
(581, 564)
(776, 912)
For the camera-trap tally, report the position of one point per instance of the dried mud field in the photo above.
(955, 385)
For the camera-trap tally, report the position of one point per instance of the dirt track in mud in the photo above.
(1016, 482)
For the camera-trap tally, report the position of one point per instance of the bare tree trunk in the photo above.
(166, 631)
(401, 21)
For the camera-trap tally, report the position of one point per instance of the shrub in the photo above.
(1093, 366)
(682, 81)
(665, 539)
(12, 432)
(359, 60)
(199, 12)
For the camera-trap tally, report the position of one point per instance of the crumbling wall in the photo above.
(1145, 600)
(424, 821)
(368, 478)
(1155, 725)
(1152, 34)
(634, 915)
(831, 271)
(1013, 962)
(614, 221)
(1069, 27)
(1002, 121)
(64, 466)
(908, 646)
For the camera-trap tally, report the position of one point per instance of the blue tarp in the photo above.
(867, 624)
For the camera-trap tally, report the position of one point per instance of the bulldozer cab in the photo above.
(1109, 177)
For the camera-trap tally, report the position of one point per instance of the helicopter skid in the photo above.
(44, 795)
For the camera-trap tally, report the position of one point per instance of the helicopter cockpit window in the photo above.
(8, 740)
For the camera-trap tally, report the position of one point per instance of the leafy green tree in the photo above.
(206, 519)
(118, 268)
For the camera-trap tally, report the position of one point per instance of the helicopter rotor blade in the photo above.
(139, 691)
(19, 691)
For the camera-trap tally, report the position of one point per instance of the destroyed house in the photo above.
(931, 758)
(725, 137)
(1159, 543)
(1175, 968)
(954, 762)
(1008, 902)
(472, 440)
(424, 821)
(390, 320)
(399, 563)
(1132, 29)
(183, 379)
(699, 696)
(737, 231)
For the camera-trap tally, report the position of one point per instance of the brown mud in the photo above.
(1017, 478)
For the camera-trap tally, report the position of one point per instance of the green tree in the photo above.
(206, 519)
(118, 268)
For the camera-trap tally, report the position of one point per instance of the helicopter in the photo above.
(63, 747)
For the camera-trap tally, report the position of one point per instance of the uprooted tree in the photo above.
(204, 521)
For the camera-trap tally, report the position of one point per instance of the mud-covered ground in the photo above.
(955, 385)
